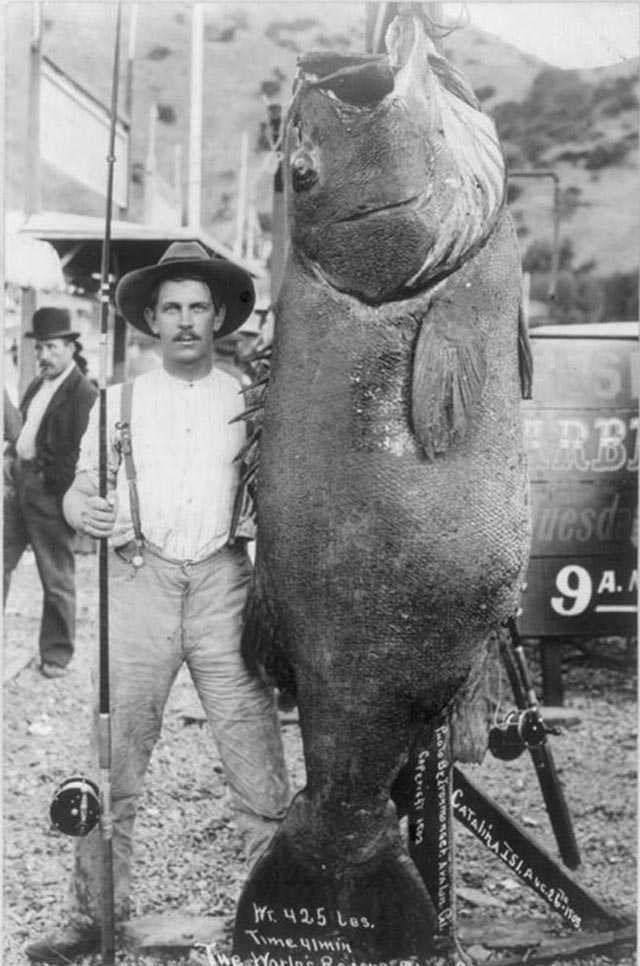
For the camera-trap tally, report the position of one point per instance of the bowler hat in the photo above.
(229, 283)
(50, 322)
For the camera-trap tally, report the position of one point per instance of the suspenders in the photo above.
(127, 452)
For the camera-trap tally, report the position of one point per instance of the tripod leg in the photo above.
(515, 662)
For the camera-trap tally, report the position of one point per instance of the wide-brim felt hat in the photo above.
(230, 284)
(51, 322)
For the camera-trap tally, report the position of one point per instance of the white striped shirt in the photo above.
(183, 450)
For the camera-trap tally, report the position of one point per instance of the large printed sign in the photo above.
(74, 134)
(581, 431)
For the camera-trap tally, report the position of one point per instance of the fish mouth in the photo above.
(365, 81)
(414, 202)
(353, 81)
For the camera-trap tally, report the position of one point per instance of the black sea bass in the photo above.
(392, 508)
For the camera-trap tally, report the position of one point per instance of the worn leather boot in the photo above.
(65, 946)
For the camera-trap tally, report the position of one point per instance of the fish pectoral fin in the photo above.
(447, 381)
(525, 356)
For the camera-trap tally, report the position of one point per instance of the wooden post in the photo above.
(178, 186)
(375, 24)
(278, 214)
(128, 93)
(194, 202)
(150, 169)
(32, 165)
(28, 301)
(26, 352)
(241, 203)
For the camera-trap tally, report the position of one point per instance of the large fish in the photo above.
(392, 509)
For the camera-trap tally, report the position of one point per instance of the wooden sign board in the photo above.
(581, 434)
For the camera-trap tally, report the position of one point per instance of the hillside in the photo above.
(584, 124)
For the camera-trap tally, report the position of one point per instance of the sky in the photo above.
(589, 33)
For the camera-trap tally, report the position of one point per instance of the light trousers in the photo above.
(161, 615)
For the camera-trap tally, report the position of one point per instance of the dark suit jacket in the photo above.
(62, 427)
(12, 420)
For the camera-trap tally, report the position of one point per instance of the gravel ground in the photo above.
(186, 854)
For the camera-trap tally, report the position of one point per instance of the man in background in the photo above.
(41, 467)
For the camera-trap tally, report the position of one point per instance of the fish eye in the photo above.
(303, 171)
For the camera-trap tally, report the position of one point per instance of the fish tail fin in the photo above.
(375, 911)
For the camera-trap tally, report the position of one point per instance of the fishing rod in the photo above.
(104, 726)
(79, 803)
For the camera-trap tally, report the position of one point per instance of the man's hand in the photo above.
(98, 516)
(87, 512)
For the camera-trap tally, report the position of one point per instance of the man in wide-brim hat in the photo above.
(177, 584)
(39, 467)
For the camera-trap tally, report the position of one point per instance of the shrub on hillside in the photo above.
(513, 192)
(584, 297)
(277, 28)
(332, 41)
(534, 145)
(616, 95)
(559, 93)
(166, 114)
(573, 156)
(621, 296)
(159, 52)
(485, 92)
(539, 256)
(557, 109)
(224, 30)
(579, 298)
(606, 153)
(569, 201)
(220, 33)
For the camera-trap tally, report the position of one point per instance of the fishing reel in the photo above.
(519, 730)
(75, 808)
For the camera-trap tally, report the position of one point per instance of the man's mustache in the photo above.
(189, 335)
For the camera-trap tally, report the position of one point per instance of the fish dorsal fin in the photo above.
(449, 371)
(455, 82)
(469, 177)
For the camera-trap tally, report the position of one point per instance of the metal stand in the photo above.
(432, 791)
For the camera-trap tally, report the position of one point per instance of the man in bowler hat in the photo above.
(178, 579)
(41, 466)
